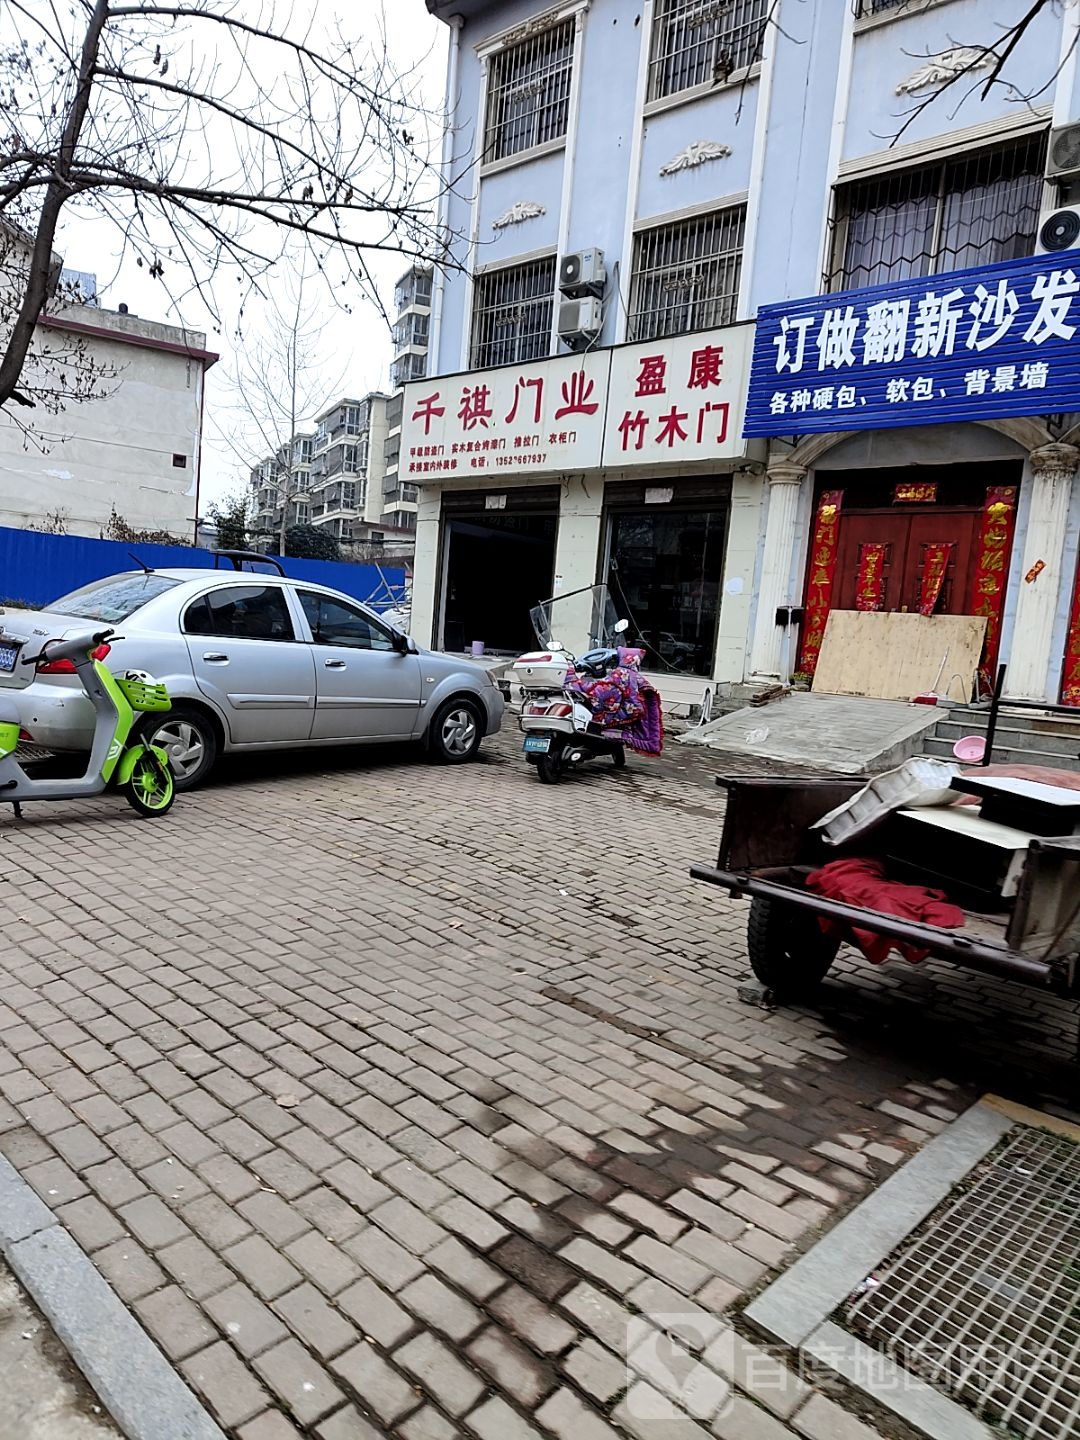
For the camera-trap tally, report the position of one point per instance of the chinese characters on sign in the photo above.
(870, 581)
(545, 416)
(677, 400)
(674, 401)
(936, 559)
(915, 493)
(992, 567)
(822, 569)
(973, 344)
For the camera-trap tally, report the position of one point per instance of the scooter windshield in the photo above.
(563, 615)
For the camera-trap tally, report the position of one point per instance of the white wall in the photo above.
(116, 450)
(376, 466)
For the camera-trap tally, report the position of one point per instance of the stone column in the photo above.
(580, 508)
(426, 565)
(781, 538)
(1053, 468)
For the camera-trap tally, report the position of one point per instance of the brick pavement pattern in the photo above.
(373, 1146)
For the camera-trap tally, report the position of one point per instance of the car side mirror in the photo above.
(400, 642)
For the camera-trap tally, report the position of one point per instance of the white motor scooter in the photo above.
(559, 728)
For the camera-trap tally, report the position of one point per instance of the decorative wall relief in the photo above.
(518, 214)
(939, 69)
(698, 152)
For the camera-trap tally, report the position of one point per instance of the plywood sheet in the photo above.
(896, 656)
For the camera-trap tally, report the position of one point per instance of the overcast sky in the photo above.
(357, 345)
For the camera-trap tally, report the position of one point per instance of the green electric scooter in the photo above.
(139, 770)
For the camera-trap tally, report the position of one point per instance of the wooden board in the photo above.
(894, 656)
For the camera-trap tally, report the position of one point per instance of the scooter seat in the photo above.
(9, 711)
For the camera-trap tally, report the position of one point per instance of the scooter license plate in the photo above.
(8, 655)
(537, 744)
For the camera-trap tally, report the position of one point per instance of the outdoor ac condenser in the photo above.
(1058, 230)
(1063, 153)
(582, 273)
(580, 322)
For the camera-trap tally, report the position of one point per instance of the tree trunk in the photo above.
(57, 193)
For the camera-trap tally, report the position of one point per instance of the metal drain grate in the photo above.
(983, 1300)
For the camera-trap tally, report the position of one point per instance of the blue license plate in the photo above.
(8, 655)
(537, 744)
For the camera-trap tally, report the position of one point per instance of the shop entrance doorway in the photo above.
(905, 543)
(498, 564)
(935, 539)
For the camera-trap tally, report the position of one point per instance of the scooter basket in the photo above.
(141, 695)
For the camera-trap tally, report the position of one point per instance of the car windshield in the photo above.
(113, 599)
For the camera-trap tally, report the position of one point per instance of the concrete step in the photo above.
(839, 733)
(1006, 754)
(1052, 743)
(974, 720)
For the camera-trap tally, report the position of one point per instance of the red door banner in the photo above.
(870, 583)
(936, 559)
(992, 567)
(1070, 675)
(822, 569)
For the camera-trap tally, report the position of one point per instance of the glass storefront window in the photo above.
(665, 571)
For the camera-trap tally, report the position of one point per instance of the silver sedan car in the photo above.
(252, 661)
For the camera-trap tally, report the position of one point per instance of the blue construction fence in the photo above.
(39, 568)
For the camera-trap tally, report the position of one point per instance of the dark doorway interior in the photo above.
(666, 567)
(497, 569)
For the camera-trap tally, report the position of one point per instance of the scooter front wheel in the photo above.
(549, 769)
(151, 789)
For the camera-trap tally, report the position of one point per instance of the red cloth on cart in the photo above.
(863, 882)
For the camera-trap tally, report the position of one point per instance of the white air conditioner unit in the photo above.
(582, 273)
(580, 323)
(1059, 230)
(1063, 153)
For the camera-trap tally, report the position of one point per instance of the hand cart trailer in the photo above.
(768, 848)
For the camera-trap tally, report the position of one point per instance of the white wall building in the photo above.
(136, 449)
(628, 180)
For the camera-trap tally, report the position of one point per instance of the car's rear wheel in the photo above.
(189, 738)
(456, 732)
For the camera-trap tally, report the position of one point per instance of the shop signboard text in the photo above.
(669, 402)
(988, 343)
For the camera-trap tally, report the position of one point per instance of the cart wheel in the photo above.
(618, 756)
(788, 951)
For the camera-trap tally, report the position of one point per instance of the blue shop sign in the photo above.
(997, 341)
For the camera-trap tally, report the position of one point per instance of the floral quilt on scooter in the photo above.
(626, 703)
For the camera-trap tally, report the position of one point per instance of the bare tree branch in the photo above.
(997, 55)
(215, 136)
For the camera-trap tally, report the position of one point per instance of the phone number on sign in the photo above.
(530, 457)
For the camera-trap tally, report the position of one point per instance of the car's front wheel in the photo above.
(189, 739)
(455, 733)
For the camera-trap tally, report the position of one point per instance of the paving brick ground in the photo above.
(415, 1102)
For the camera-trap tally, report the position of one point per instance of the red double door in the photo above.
(906, 537)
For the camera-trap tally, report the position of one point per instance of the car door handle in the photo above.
(215, 658)
(334, 664)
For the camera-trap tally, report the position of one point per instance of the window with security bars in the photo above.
(686, 276)
(878, 7)
(695, 41)
(974, 209)
(528, 99)
(512, 314)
